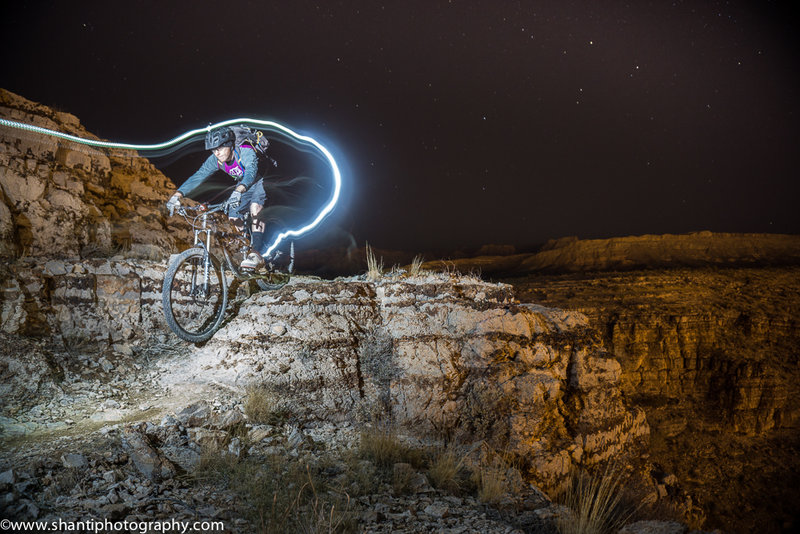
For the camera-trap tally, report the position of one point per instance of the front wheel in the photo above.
(194, 295)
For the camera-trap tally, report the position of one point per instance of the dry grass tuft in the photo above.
(595, 504)
(402, 475)
(445, 471)
(374, 268)
(415, 269)
(491, 483)
(215, 465)
(262, 406)
(384, 448)
(492, 477)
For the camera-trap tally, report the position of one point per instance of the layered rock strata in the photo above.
(93, 300)
(695, 250)
(725, 340)
(437, 357)
(440, 356)
(59, 198)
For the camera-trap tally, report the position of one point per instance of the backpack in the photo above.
(255, 139)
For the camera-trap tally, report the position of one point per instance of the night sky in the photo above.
(457, 123)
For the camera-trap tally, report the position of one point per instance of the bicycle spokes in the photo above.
(197, 296)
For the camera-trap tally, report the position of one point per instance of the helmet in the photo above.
(220, 137)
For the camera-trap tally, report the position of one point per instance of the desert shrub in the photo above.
(491, 482)
(415, 269)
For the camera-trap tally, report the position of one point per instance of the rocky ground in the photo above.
(106, 444)
(157, 431)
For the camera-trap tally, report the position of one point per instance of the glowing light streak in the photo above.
(261, 124)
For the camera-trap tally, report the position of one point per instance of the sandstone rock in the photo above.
(96, 300)
(146, 458)
(258, 434)
(28, 372)
(77, 461)
(196, 414)
(44, 210)
(452, 355)
(228, 419)
(705, 352)
(184, 457)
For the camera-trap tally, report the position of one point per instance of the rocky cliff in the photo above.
(713, 357)
(439, 356)
(59, 198)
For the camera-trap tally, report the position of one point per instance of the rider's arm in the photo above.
(250, 164)
(208, 168)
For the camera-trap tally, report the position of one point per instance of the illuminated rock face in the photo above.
(61, 199)
(92, 300)
(439, 357)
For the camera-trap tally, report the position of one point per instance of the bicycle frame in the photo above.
(204, 226)
(195, 289)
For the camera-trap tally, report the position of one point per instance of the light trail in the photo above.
(260, 124)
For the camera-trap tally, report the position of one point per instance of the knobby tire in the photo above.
(194, 316)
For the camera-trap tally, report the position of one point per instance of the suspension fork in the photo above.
(206, 255)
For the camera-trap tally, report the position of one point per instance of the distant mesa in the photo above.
(697, 249)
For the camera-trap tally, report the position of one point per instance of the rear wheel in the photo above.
(194, 295)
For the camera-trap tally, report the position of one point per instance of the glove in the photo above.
(173, 203)
(233, 201)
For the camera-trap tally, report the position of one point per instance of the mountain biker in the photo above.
(241, 163)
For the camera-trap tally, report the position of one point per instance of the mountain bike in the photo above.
(195, 289)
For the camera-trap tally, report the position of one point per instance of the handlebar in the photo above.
(193, 213)
(208, 208)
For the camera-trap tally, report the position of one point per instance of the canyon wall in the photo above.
(713, 357)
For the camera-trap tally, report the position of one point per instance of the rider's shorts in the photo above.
(254, 195)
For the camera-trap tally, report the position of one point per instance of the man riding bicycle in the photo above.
(240, 163)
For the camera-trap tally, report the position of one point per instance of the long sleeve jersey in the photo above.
(243, 169)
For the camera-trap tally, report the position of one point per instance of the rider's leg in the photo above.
(257, 228)
(253, 201)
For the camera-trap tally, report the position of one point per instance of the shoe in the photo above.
(252, 261)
